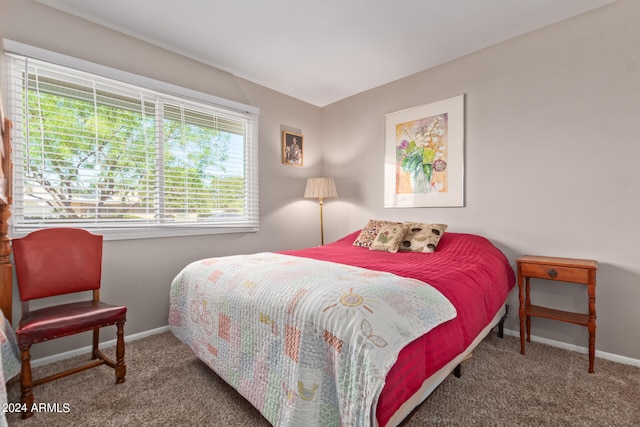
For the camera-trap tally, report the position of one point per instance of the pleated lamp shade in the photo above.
(320, 188)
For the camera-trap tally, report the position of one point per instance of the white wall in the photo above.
(552, 153)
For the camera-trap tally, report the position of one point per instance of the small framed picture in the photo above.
(292, 148)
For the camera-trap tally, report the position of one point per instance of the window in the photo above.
(125, 160)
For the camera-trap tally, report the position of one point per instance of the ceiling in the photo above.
(322, 51)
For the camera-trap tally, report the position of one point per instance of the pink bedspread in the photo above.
(468, 269)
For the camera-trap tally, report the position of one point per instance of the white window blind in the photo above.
(99, 153)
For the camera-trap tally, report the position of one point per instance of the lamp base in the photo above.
(321, 224)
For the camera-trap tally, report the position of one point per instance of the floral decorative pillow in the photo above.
(389, 237)
(422, 237)
(370, 232)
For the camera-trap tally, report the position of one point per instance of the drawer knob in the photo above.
(552, 273)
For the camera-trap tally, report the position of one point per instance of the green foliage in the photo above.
(81, 158)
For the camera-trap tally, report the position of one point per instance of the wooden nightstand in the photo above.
(582, 271)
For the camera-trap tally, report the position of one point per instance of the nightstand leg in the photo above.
(527, 303)
(521, 311)
(591, 289)
(592, 346)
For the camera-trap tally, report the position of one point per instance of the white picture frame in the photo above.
(424, 155)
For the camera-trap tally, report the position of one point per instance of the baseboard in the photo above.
(510, 332)
(578, 349)
(84, 350)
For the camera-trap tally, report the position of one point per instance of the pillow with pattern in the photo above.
(422, 237)
(369, 232)
(389, 237)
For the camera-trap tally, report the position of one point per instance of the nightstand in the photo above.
(581, 271)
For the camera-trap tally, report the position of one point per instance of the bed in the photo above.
(245, 317)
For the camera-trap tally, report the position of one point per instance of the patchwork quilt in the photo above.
(10, 360)
(307, 342)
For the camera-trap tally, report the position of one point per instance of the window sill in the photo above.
(152, 232)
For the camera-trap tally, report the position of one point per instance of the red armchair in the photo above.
(60, 261)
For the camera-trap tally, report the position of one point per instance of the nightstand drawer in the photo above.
(554, 272)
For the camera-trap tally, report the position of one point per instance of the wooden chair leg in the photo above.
(26, 383)
(96, 341)
(121, 368)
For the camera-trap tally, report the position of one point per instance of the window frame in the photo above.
(122, 232)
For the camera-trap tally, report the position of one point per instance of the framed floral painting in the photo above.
(424, 155)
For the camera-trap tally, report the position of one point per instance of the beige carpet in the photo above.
(167, 386)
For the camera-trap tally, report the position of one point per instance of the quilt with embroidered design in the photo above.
(307, 342)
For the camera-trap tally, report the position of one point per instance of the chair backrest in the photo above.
(57, 261)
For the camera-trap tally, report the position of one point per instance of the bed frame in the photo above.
(500, 318)
(6, 176)
(455, 366)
